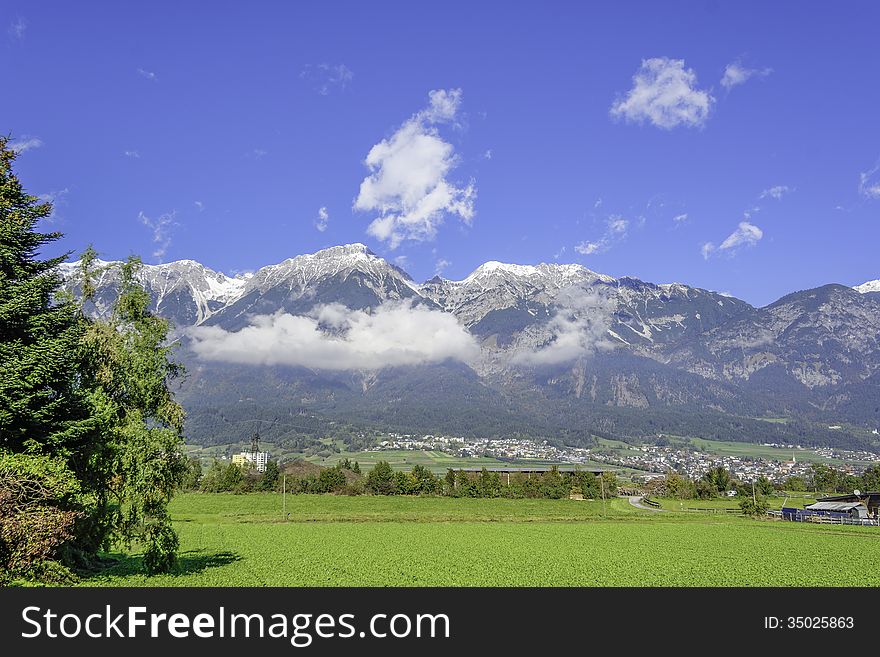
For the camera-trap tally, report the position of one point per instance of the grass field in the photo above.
(732, 503)
(229, 540)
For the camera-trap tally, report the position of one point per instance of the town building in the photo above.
(257, 460)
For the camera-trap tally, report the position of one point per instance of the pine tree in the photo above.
(91, 396)
(45, 420)
(41, 409)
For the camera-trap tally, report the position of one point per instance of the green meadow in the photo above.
(326, 540)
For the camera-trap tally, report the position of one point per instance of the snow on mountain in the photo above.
(312, 268)
(543, 275)
(612, 342)
(185, 291)
(495, 299)
(496, 286)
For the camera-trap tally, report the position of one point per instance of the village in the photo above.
(650, 459)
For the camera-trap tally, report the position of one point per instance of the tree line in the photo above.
(346, 478)
(717, 482)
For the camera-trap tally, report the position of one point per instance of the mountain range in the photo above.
(342, 340)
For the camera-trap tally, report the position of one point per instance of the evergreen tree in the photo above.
(44, 415)
(129, 366)
(381, 479)
(41, 409)
(92, 396)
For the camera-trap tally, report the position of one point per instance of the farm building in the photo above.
(852, 509)
(870, 500)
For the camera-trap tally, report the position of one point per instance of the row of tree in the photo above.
(752, 495)
(718, 481)
(826, 478)
(345, 479)
(90, 436)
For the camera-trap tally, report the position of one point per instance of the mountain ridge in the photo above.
(552, 345)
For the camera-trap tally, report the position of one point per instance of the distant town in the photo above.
(653, 460)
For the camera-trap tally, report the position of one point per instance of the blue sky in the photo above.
(732, 146)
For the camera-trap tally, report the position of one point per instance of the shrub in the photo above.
(37, 496)
(754, 507)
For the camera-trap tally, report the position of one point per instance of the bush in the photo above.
(161, 555)
(754, 507)
(37, 517)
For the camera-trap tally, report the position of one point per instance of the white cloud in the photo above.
(134, 155)
(760, 338)
(748, 214)
(735, 74)
(617, 225)
(776, 192)
(327, 77)
(441, 265)
(161, 228)
(680, 218)
(17, 29)
(333, 337)
(149, 75)
(746, 234)
(56, 198)
(869, 183)
(408, 183)
(199, 205)
(323, 218)
(578, 328)
(257, 153)
(588, 248)
(707, 249)
(24, 143)
(615, 230)
(665, 94)
(488, 154)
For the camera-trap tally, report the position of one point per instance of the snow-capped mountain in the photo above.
(185, 291)
(555, 341)
(351, 275)
(495, 299)
(495, 286)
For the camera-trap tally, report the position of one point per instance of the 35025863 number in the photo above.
(820, 622)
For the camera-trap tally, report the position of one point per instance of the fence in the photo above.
(798, 515)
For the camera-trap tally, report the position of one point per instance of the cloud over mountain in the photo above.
(579, 328)
(333, 337)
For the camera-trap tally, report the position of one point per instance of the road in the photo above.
(635, 500)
